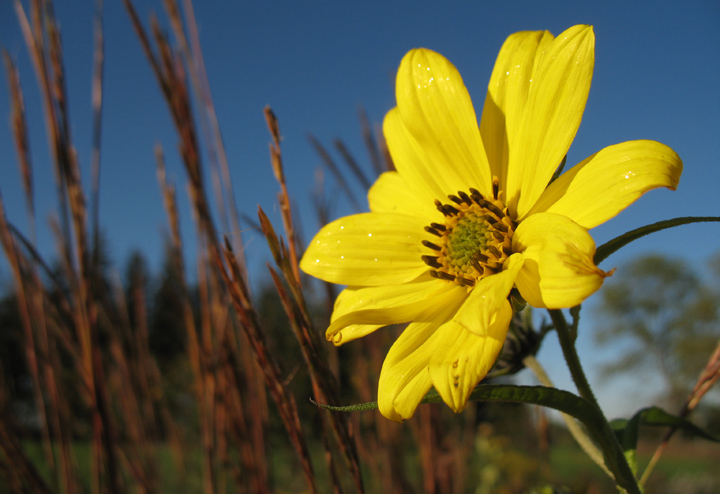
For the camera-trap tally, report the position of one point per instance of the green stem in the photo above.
(567, 344)
(573, 426)
(571, 356)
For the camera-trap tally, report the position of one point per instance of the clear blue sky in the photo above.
(657, 75)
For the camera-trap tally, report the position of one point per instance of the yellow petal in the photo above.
(368, 249)
(385, 305)
(487, 304)
(391, 194)
(551, 117)
(412, 394)
(558, 271)
(507, 95)
(607, 182)
(461, 358)
(406, 359)
(436, 109)
(411, 162)
(400, 389)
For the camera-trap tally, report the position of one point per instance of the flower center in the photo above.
(474, 241)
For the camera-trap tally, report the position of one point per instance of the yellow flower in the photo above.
(469, 214)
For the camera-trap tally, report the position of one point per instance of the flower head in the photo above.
(471, 213)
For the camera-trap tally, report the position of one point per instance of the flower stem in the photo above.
(577, 432)
(611, 448)
(571, 356)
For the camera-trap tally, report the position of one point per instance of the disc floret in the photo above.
(474, 241)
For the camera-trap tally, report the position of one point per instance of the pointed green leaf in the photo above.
(628, 431)
(613, 245)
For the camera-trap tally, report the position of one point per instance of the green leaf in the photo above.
(604, 251)
(560, 400)
(627, 431)
(658, 417)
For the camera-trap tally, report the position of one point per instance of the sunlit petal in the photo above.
(436, 109)
(368, 249)
(411, 161)
(507, 96)
(385, 305)
(556, 101)
(461, 358)
(391, 194)
(558, 271)
(607, 182)
(487, 306)
(412, 394)
(408, 357)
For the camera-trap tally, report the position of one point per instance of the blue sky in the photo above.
(656, 77)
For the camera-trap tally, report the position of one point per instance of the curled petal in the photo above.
(437, 111)
(461, 358)
(358, 307)
(552, 114)
(558, 271)
(487, 304)
(507, 96)
(607, 182)
(391, 194)
(368, 249)
(352, 332)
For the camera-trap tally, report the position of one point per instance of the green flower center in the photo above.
(467, 237)
(473, 242)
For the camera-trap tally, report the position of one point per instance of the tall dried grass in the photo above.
(80, 339)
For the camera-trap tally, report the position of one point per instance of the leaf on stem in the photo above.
(615, 244)
(628, 431)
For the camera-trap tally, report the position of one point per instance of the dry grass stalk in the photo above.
(325, 386)
(129, 382)
(222, 183)
(97, 99)
(335, 170)
(170, 74)
(43, 43)
(352, 164)
(283, 197)
(379, 165)
(26, 303)
(22, 471)
(193, 344)
(273, 377)
(84, 304)
(19, 126)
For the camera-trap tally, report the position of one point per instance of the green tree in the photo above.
(663, 317)
(137, 281)
(167, 327)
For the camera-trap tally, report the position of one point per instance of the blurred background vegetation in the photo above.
(130, 379)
